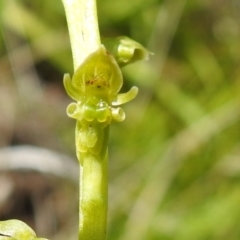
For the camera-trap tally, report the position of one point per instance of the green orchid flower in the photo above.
(95, 87)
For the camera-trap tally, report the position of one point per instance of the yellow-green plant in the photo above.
(95, 87)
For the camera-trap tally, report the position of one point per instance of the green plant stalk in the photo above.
(94, 193)
(83, 28)
(84, 38)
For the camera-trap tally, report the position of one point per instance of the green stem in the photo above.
(94, 193)
(83, 28)
(85, 39)
(93, 207)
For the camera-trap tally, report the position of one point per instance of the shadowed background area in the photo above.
(174, 169)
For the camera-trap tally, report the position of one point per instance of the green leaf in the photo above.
(16, 230)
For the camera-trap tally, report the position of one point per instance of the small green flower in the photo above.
(95, 87)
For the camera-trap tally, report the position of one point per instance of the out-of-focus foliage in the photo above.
(175, 161)
(16, 230)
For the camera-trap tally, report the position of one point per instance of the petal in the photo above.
(118, 114)
(72, 92)
(126, 97)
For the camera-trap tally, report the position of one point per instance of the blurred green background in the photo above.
(174, 169)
